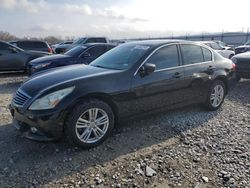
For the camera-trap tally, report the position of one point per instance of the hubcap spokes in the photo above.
(92, 125)
(217, 95)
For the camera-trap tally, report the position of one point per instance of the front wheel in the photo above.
(216, 95)
(90, 123)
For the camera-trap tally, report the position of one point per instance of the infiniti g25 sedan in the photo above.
(84, 102)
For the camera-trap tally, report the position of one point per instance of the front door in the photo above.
(163, 87)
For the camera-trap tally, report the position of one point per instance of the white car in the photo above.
(222, 51)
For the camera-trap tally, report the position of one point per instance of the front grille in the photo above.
(20, 98)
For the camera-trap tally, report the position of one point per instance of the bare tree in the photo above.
(6, 36)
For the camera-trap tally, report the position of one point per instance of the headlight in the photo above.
(42, 65)
(51, 100)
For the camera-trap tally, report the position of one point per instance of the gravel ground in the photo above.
(189, 147)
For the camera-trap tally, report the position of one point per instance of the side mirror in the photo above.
(86, 54)
(147, 69)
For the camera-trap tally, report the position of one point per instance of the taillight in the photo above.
(49, 50)
(234, 66)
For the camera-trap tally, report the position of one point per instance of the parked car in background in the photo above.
(242, 62)
(78, 55)
(222, 51)
(224, 45)
(61, 43)
(243, 48)
(84, 102)
(13, 58)
(81, 41)
(33, 45)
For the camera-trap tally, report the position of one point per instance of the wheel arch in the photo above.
(224, 80)
(100, 96)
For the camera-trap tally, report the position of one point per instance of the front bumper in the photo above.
(40, 126)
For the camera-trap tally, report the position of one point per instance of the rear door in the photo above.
(11, 59)
(198, 67)
(163, 87)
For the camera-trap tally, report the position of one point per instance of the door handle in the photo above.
(211, 68)
(177, 75)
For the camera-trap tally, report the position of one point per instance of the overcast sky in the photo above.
(122, 18)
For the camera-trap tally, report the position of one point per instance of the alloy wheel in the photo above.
(92, 125)
(217, 95)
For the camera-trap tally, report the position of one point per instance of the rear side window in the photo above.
(40, 45)
(25, 45)
(191, 54)
(166, 57)
(207, 54)
(101, 40)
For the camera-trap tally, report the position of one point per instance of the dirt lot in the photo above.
(189, 147)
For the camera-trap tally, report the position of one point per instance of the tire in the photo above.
(210, 104)
(81, 129)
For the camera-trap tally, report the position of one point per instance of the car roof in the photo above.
(97, 44)
(159, 42)
(29, 41)
(207, 41)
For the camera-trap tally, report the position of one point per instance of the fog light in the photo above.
(33, 129)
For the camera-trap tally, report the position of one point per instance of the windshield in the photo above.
(122, 57)
(76, 51)
(79, 41)
(248, 42)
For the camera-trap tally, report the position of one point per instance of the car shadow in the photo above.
(54, 160)
(241, 93)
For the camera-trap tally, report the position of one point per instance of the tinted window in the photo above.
(76, 51)
(40, 45)
(25, 45)
(165, 57)
(207, 54)
(4, 46)
(79, 41)
(191, 54)
(101, 40)
(91, 40)
(122, 57)
(97, 51)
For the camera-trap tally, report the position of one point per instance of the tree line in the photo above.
(6, 36)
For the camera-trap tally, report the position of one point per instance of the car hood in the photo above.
(49, 58)
(31, 52)
(243, 46)
(243, 56)
(53, 77)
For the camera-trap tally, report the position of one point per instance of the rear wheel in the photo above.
(90, 123)
(216, 95)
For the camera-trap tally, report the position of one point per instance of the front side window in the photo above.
(97, 51)
(165, 57)
(191, 54)
(122, 57)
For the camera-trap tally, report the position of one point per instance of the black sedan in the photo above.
(242, 62)
(85, 102)
(78, 55)
(13, 58)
